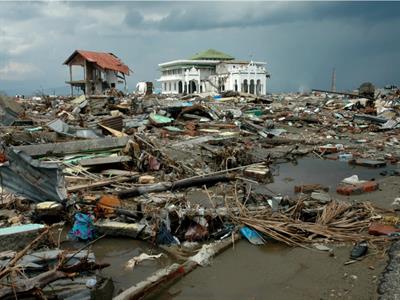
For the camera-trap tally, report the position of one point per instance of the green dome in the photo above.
(212, 54)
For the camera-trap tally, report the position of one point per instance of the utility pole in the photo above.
(333, 83)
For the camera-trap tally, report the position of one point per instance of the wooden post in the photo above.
(84, 71)
(70, 80)
(85, 77)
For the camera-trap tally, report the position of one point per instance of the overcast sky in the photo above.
(300, 41)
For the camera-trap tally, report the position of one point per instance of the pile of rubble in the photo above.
(186, 173)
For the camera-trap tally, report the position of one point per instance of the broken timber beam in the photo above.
(176, 185)
(101, 161)
(30, 284)
(74, 146)
(175, 271)
(98, 184)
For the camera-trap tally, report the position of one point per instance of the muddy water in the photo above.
(117, 252)
(272, 271)
(326, 172)
(277, 272)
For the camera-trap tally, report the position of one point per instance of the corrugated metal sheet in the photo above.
(107, 61)
(9, 111)
(114, 123)
(33, 179)
(63, 128)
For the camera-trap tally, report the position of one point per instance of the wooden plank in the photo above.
(368, 163)
(114, 132)
(97, 161)
(175, 271)
(74, 146)
(100, 184)
(113, 228)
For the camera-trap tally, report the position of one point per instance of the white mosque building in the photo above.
(213, 71)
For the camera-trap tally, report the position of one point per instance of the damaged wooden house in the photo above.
(95, 72)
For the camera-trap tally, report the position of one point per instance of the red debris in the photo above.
(358, 189)
(3, 157)
(380, 229)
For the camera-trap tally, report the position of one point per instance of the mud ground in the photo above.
(273, 271)
(278, 272)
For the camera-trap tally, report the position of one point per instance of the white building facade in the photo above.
(213, 71)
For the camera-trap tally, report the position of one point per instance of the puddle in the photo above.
(116, 252)
(247, 272)
(276, 272)
(326, 172)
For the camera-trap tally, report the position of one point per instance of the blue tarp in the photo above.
(252, 236)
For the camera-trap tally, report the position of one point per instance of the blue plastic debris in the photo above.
(83, 228)
(164, 237)
(252, 236)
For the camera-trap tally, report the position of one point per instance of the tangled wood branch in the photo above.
(338, 221)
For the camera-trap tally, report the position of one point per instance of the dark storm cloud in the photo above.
(379, 11)
(204, 16)
(300, 41)
(208, 15)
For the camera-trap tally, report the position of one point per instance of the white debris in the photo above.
(396, 203)
(204, 255)
(352, 180)
(321, 247)
(137, 259)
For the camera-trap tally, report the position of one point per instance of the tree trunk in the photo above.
(176, 185)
